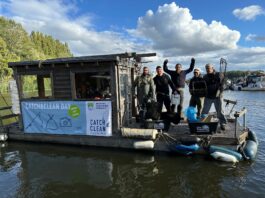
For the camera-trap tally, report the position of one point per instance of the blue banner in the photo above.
(54, 117)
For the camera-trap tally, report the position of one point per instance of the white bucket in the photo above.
(175, 99)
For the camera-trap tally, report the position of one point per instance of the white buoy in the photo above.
(146, 145)
(224, 157)
(149, 134)
(3, 137)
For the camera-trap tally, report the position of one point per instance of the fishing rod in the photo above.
(222, 73)
(223, 66)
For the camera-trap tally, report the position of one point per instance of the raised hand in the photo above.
(192, 60)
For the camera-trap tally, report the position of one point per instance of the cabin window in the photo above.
(93, 85)
(36, 86)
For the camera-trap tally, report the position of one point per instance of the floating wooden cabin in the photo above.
(88, 101)
(69, 79)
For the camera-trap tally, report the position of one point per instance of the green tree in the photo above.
(17, 45)
(5, 57)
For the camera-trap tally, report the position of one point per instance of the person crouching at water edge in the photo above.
(145, 90)
(198, 90)
(214, 94)
(178, 77)
(162, 82)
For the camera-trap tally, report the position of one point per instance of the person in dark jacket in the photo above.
(178, 77)
(214, 94)
(198, 90)
(162, 82)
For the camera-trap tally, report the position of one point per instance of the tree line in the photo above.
(17, 45)
(234, 75)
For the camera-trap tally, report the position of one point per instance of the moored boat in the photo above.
(252, 83)
(88, 101)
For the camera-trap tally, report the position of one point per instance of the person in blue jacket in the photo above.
(178, 78)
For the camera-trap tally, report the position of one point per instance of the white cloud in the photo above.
(242, 58)
(172, 29)
(246, 57)
(254, 37)
(62, 21)
(248, 13)
(250, 37)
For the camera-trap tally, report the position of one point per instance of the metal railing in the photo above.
(238, 114)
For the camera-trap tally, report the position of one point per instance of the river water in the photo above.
(40, 170)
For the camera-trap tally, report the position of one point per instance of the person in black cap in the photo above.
(198, 90)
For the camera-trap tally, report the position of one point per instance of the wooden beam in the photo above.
(41, 89)
(5, 108)
(52, 83)
(240, 113)
(146, 55)
(230, 101)
(73, 86)
(8, 116)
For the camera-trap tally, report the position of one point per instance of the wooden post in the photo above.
(52, 84)
(1, 122)
(73, 86)
(115, 96)
(134, 110)
(41, 89)
(20, 95)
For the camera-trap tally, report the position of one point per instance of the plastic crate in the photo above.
(203, 127)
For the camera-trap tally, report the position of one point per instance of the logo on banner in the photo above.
(90, 106)
(74, 111)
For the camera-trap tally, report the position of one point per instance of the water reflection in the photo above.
(54, 171)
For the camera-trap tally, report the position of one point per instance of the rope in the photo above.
(206, 141)
(241, 150)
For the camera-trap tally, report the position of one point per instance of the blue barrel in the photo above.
(252, 136)
(250, 149)
(225, 150)
(190, 140)
(184, 149)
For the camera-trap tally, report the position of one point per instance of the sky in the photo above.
(176, 30)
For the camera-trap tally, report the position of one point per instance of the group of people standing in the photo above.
(205, 90)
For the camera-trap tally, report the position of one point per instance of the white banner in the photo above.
(99, 119)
